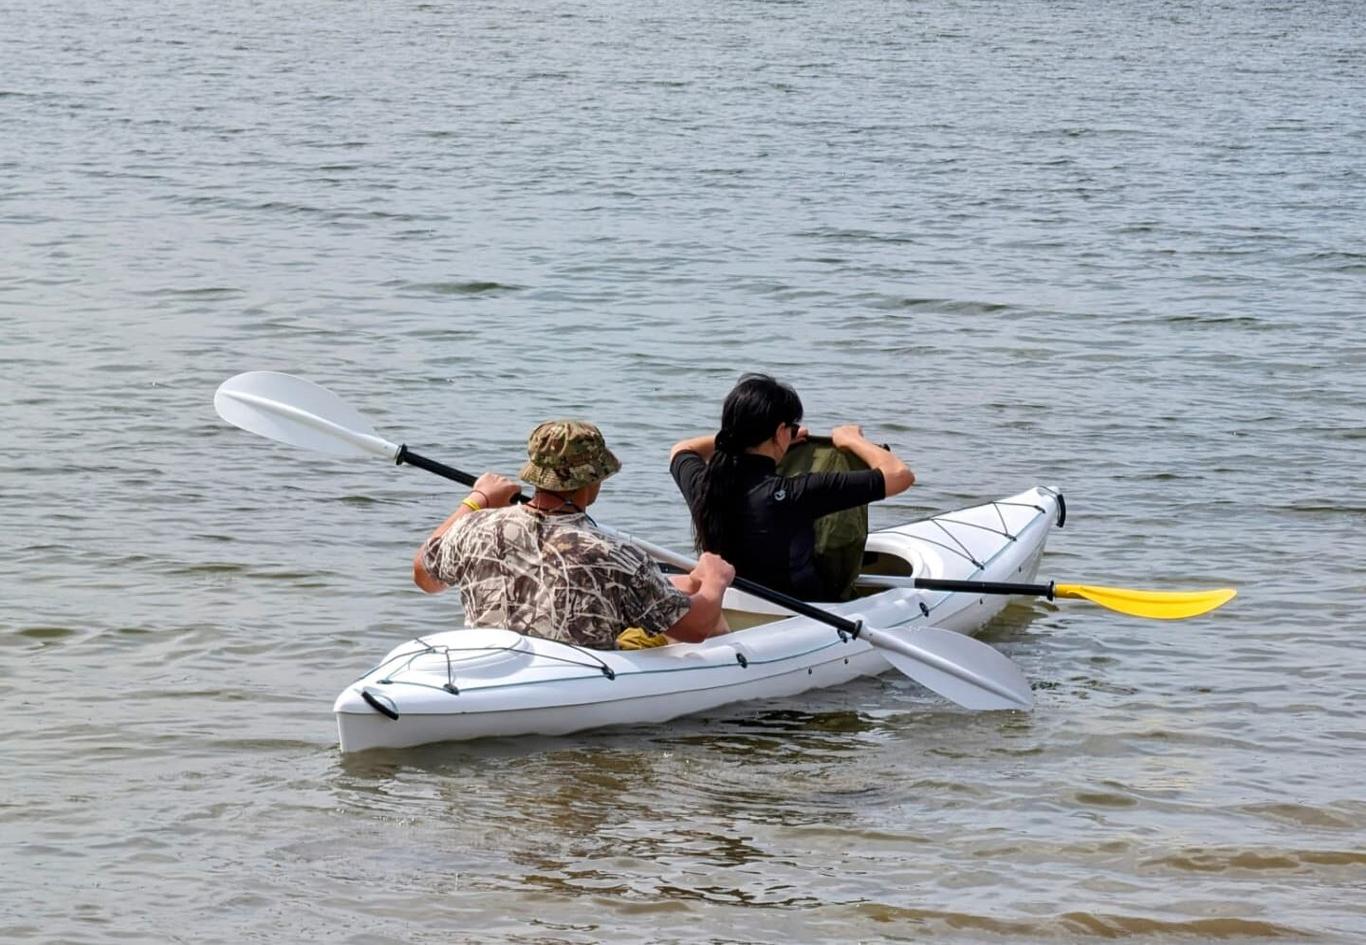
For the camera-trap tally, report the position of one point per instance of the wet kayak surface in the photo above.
(1020, 243)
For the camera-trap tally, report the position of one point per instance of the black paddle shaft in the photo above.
(796, 605)
(406, 455)
(985, 587)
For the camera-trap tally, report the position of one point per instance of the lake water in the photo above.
(1118, 248)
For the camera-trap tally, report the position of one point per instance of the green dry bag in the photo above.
(840, 536)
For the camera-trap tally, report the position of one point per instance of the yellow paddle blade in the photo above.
(1164, 605)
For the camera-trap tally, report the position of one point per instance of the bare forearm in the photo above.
(897, 476)
(703, 614)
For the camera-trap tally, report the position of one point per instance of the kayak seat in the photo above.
(744, 619)
(882, 563)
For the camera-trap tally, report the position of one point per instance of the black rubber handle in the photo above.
(379, 703)
(406, 455)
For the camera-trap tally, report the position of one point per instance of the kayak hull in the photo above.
(481, 683)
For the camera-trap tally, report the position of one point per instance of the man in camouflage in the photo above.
(543, 569)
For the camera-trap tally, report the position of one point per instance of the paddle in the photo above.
(1161, 605)
(300, 413)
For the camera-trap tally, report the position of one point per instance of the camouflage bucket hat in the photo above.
(564, 455)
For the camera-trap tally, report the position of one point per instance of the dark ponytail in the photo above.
(750, 415)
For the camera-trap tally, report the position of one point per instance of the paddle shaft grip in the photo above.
(985, 587)
(406, 455)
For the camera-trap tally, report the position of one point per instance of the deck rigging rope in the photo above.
(962, 550)
(409, 657)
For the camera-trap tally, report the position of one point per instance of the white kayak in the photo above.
(482, 682)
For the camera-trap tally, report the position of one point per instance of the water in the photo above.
(1116, 250)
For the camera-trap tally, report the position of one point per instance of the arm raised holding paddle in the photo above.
(541, 566)
(490, 491)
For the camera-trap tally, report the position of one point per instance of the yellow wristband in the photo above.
(472, 505)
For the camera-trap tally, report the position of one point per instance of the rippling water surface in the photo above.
(1117, 248)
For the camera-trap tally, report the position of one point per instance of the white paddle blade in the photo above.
(298, 412)
(959, 668)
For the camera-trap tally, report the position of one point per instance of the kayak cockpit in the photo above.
(885, 555)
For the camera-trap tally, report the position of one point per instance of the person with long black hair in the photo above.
(757, 519)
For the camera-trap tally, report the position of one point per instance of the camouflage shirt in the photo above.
(552, 576)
